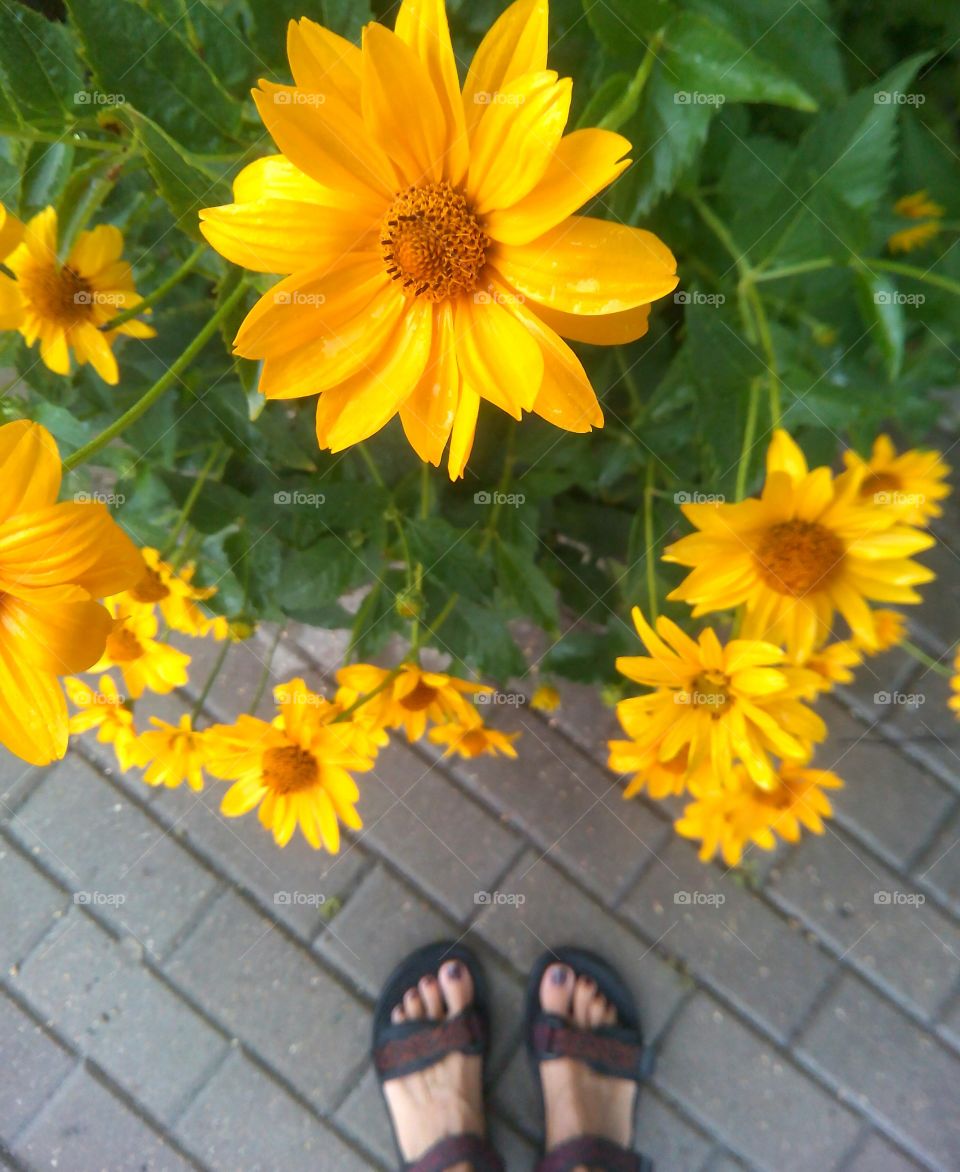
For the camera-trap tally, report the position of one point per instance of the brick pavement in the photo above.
(218, 1016)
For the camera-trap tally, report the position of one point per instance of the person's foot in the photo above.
(577, 1100)
(447, 1098)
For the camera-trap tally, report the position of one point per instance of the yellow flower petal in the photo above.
(91, 345)
(11, 304)
(275, 177)
(607, 329)
(322, 61)
(58, 629)
(29, 468)
(33, 711)
(96, 249)
(11, 232)
(464, 427)
(497, 354)
(516, 44)
(427, 415)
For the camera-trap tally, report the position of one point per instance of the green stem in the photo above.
(942, 669)
(146, 401)
(749, 432)
(442, 617)
(195, 490)
(722, 233)
(211, 679)
(806, 266)
(648, 541)
(894, 266)
(766, 342)
(161, 290)
(265, 674)
(490, 529)
(93, 144)
(624, 109)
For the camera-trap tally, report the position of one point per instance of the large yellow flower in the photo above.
(295, 768)
(809, 547)
(145, 662)
(428, 234)
(56, 560)
(910, 484)
(104, 709)
(406, 697)
(720, 704)
(66, 305)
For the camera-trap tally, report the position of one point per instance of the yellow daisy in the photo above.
(910, 484)
(809, 547)
(914, 237)
(66, 305)
(890, 627)
(145, 662)
(545, 699)
(104, 709)
(954, 701)
(56, 560)
(834, 663)
(473, 738)
(660, 779)
(916, 206)
(722, 704)
(295, 768)
(406, 698)
(177, 597)
(172, 753)
(729, 818)
(426, 234)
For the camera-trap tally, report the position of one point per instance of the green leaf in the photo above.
(447, 556)
(624, 26)
(523, 580)
(144, 62)
(45, 175)
(315, 579)
(881, 306)
(39, 73)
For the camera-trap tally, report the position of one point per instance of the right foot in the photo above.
(577, 1099)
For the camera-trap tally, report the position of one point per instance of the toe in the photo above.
(583, 995)
(597, 1011)
(412, 1005)
(456, 985)
(610, 1017)
(431, 998)
(556, 990)
(397, 1015)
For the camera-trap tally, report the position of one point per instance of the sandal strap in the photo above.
(616, 1052)
(416, 1045)
(593, 1151)
(458, 1149)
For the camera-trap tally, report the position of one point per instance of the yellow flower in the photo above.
(918, 206)
(473, 738)
(891, 630)
(56, 560)
(66, 305)
(728, 818)
(835, 662)
(722, 704)
(426, 235)
(106, 711)
(545, 698)
(145, 662)
(914, 237)
(805, 550)
(954, 701)
(660, 779)
(172, 754)
(177, 597)
(407, 697)
(295, 768)
(909, 484)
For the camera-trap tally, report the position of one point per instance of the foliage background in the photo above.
(795, 169)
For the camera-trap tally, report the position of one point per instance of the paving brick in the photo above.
(95, 993)
(877, 1155)
(726, 933)
(326, 648)
(939, 868)
(875, 1056)
(840, 890)
(724, 1163)
(363, 1117)
(113, 855)
(555, 912)
(237, 683)
(16, 781)
(950, 1025)
(420, 820)
(937, 618)
(932, 730)
(243, 1119)
(26, 918)
(515, 1149)
(666, 1138)
(299, 885)
(40, 1065)
(762, 1107)
(878, 677)
(86, 1127)
(276, 997)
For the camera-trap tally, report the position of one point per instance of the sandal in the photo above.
(401, 1049)
(616, 1050)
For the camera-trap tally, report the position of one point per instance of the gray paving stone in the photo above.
(761, 1106)
(363, 1117)
(876, 677)
(877, 1155)
(555, 912)
(666, 1137)
(243, 1119)
(34, 1063)
(17, 779)
(85, 1128)
(514, 1148)
(328, 649)
(939, 868)
(419, 819)
(276, 997)
(36, 907)
(859, 906)
(936, 620)
(95, 993)
(724, 1163)
(932, 731)
(727, 934)
(875, 1056)
(113, 855)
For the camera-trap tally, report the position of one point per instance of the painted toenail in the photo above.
(558, 975)
(454, 971)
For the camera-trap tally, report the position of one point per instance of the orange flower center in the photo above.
(709, 690)
(877, 482)
(474, 742)
(797, 557)
(59, 294)
(433, 243)
(123, 646)
(288, 769)
(150, 588)
(421, 697)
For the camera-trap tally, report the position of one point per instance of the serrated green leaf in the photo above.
(881, 307)
(39, 73)
(623, 27)
(447, 556)
(523, 580)
(45, 175)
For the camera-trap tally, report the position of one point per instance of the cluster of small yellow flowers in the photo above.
(730, 724)
(920, 207)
